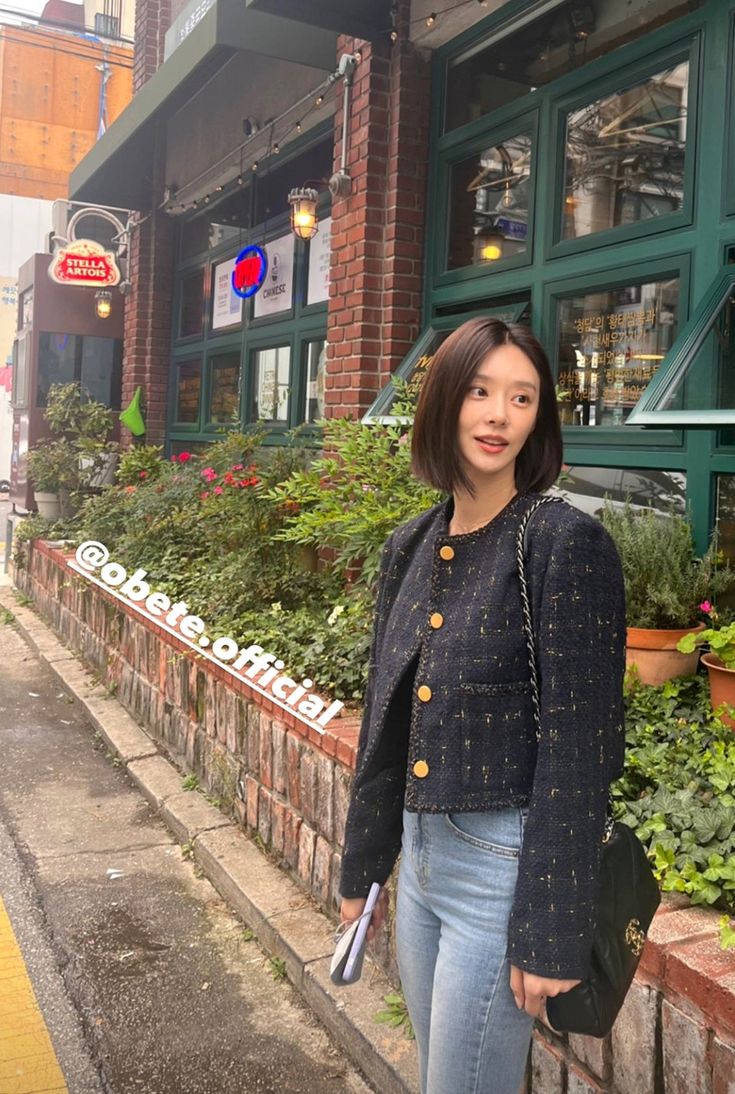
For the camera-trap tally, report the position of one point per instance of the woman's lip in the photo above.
(495, 445)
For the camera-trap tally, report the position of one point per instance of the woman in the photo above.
(500, 827)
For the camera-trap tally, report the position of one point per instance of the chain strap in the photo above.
(528, 631)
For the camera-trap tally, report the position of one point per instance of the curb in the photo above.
(284, 918)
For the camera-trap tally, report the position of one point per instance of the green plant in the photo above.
(278, 968)
(353, 497)
(248, 934)
(721, 641)
(396, 1014)
(70, 411)
(191, 782)
(53, 466)
(187, 849)
(664, 580)
(140, 461)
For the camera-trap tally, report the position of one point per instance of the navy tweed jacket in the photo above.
(448, 721)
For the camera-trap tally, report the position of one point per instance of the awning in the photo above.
(362, 18)
(118, 169)
(695, 383)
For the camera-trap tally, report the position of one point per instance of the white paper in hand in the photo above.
(346, 965)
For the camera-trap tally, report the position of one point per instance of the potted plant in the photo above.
(720, 661)
(53, 470)
(665, 584)
(86, 423)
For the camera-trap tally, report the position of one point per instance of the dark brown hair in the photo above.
(435, 456)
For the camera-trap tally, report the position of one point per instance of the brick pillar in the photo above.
(152, 20)
(378, 230)
(147, 343)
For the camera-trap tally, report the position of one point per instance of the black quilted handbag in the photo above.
(628, 892)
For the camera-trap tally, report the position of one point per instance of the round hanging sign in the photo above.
(251, 266)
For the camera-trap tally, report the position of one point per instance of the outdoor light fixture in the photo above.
(103, 303)
(490, 244)
(304, 221)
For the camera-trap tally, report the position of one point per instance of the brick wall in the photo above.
(378, 229)
(676, 1032)
(147, 337)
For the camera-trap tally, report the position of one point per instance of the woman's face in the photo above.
(498, 412)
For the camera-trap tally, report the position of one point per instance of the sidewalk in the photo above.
(286, 922)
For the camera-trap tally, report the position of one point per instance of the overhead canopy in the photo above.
(695, 383)
(361, 18)
(118, 169)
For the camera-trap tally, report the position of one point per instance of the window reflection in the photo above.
(489, 204)
(224, 405)
(316, 356)
(611, 345)
(188, 389)
(588, 488)
(272, 376)
(192, 299)
(625, 155)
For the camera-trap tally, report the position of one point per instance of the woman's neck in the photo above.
(470, 513)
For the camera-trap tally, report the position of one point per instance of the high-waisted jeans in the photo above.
(456, 881)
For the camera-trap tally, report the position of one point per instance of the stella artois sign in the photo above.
(84, 262)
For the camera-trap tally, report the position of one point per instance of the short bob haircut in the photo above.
(435, 455)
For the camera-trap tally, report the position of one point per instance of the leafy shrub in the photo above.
(678, 789)
(664, 580)
(354, 496)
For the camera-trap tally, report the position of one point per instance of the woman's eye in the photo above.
(478, 391)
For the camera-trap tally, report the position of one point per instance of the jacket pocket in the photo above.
(498, 738)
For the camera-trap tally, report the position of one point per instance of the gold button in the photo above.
(424, 693)
(446, 552)
(436, 620)
(421, 769)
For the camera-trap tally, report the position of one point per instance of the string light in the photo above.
(276, 148)
(239, 180)
(255, 166)
(298, 127)
(319, 100)
(431, 19)
(394, 36)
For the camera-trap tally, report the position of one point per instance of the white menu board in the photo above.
(276, 293)
(319, 252)
(226, 304)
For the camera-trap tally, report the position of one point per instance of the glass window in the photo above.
(589, 487)
(611, 342)
(316, 358)
(188, 389)
(726, 518)
(57, 362)
(488, 203)
(272, 378)
(19, 395)
(192, 300)
(487, 77)
(101, 369)
(625, 155)
(194, 237)
(224, 403)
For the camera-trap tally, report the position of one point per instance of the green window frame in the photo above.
(681, 359)
(686, 49)
(677, 265)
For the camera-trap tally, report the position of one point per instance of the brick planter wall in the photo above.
(676, 1033)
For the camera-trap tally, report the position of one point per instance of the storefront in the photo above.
(565, 164)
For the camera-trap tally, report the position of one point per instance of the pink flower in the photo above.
(218, 489)
(237, 467)
(143, 474)
(204, 494)
(209, 474)
(705, 607)
(184, 457)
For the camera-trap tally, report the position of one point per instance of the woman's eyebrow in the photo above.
(514, 383)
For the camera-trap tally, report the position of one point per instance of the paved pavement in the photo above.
(145, 977)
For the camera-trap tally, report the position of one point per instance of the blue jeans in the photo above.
(456, 880)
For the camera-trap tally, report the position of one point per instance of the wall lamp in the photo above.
(103, 303)
(304, 219)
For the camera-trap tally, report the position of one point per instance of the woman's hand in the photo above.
(351, 908)
(530, 991)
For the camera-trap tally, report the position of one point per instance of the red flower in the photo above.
(228, 478)
(237, 467)
(129, 489)
(184, 457)
(204, 494)
(218, 489)
(143, 474)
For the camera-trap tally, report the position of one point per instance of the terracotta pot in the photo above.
(721, 685)
(655, 655)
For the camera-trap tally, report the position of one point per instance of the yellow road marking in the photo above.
(28, 1063)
